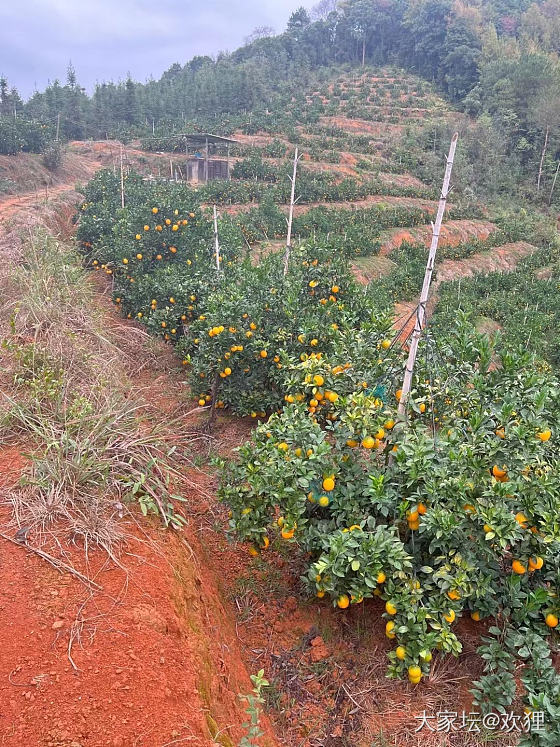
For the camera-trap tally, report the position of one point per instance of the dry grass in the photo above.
(65, 392)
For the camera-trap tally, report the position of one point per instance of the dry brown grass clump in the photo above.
(65, 393)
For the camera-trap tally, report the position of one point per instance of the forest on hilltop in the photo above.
(495, 60)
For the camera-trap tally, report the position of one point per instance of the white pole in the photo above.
(291, 215)
(421, 310)
(122, 178)
(216, 240)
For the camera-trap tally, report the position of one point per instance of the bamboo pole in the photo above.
(216, 240)
(421, 310)
(122, 178)
(291, 214)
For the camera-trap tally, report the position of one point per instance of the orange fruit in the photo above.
(535, 564)
(400, 652)
(328, 484)
(518, 567)
(544, 435)
(343, 601)
(551, 620)
(414, 674)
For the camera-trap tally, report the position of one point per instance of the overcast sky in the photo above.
(105, 39)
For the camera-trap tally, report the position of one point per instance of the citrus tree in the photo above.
(454, 514)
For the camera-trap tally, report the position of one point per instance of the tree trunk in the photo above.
(363, 52)
(542, 160)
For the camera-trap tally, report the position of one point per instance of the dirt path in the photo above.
(153, 658)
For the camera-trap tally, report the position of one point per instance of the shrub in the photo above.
(52, 155)
(453, 514)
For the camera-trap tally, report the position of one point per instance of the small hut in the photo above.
(207, 155)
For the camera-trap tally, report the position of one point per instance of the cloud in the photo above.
(106, 39)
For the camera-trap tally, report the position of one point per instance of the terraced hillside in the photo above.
(355, 196)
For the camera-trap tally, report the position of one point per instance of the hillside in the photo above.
(259, 405)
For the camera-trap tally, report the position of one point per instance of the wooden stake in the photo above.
(216, 240)
(421, 310)
(291, 215)
(206, 154)
(542, 160)
(553, 184)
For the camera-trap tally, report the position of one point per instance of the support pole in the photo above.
(122, 178)
(539, 177)
(553, 183)
(206, 163)
(228, 167)
(291, 215)
(421, 310)
(216, 240)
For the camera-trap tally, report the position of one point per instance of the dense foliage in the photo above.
(454, 514)
(234, 326)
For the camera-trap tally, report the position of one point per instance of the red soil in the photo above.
(453, 232)
(151, 658)
(499, 259)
